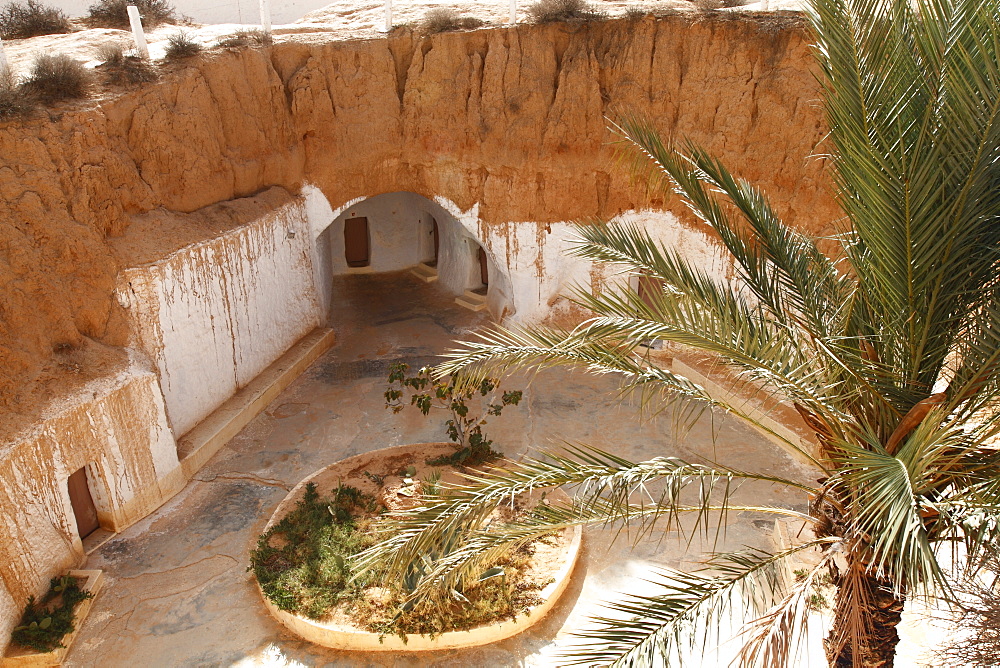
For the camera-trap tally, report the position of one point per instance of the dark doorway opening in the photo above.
(83, 503)
(648, 290)
(437, 242)
(484, 272)
(356, 246)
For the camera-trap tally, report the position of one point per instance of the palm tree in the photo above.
(888, 349)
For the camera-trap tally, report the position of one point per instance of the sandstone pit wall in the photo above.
(511, 119)
(507, 127)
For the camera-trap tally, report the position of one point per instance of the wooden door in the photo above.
(648, 289)
(356, 242)
(484, 272)
(83, 503)
(437, 240)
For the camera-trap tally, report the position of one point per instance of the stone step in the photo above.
(424, 272)
(471, 301)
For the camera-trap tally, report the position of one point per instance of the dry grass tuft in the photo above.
(123, 68)
(20, 20)
(551, 11)
(244, 38)
(54, 78)
(13, 102)
(181, 45)
(443, 19)
(114, 13)
(636, 13)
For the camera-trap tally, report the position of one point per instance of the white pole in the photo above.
(140, 37)
(265, 16)
(388, 16)
(4, 65)
(513, 12)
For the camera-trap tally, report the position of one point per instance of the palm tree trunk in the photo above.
(879, 614)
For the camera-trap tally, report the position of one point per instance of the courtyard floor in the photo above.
(178, 592)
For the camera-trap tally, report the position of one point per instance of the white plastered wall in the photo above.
(215, 314)
(530, 266)
(401, 235)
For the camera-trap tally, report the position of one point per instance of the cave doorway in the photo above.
(356, 242)
(432, 239)
(83, 503)
(437, 242)
(647, 288)
(484, 269)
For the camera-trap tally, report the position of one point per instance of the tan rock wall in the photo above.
(507, 122)
(513, 119)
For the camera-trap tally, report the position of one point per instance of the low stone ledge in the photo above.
(196, 447)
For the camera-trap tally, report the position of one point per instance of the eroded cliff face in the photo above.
(510, 119)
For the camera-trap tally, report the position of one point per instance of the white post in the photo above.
(513, 12)
(140, 37)
(4, 65)
(265, 16)
(388, 16)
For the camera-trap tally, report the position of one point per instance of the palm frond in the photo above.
(606, 489)
(598, 347)
(652, 629)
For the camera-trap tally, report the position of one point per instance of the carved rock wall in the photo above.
(512, 119)
(507, 127)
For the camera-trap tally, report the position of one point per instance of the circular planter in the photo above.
(339, 634)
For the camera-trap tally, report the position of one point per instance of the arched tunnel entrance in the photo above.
(397, 231)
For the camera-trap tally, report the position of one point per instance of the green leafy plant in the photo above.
(20, 20)
(114, 13)
(451, 393)
(305, 565)
(302, 562)
(432, 483)
(45, 623)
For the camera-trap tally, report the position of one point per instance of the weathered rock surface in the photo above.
(513, 119)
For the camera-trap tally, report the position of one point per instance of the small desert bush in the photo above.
(19, 20)
(707, 5)
(549, 11)
(181, 45)
(244, 38)
(442, 19)
(56, 77)
(13, 102)
(123, 68)
(975, 640)
(114, 13)
(635, 13)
